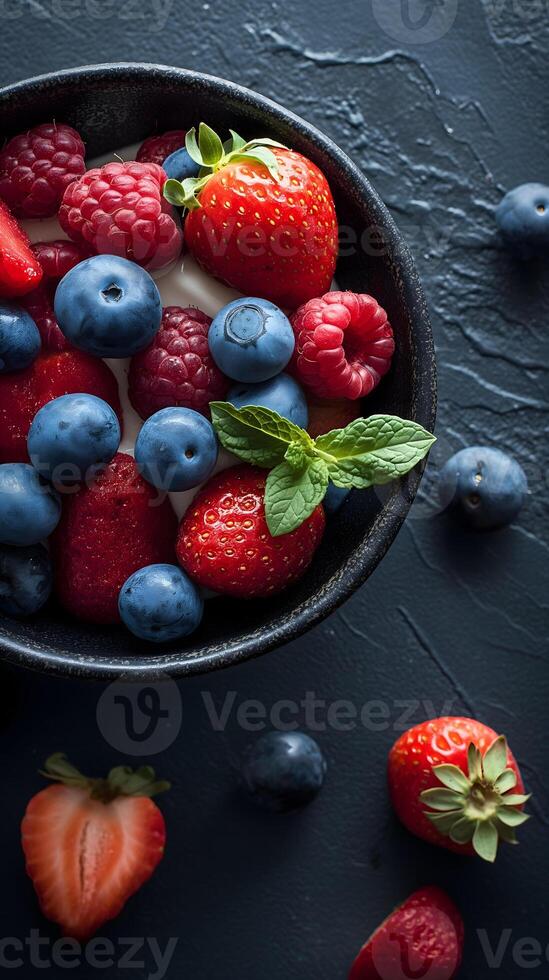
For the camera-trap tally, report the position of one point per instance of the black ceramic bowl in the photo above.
(114, 105)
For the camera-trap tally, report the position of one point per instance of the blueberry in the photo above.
(160, 603)
(73, 437)
(108, 306)
(25, 579)
(483, 486)
(335, 497)
(284, 771)
(29, 508)
(251, 340)
(523, 219)
(176, 449)
(179, 165)
(281, 394)
(19, 338)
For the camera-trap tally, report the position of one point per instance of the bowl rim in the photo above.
(372, 548)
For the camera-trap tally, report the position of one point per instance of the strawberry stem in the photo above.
(121, 781)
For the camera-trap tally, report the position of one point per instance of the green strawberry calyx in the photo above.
(480, 807)
(211, 155)
(121, 781)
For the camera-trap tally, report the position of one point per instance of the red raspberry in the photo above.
(56, 258)
(177, 368)
(224, 543)
(119, 209)
(36, 168)
(344, 345)
(155, 149)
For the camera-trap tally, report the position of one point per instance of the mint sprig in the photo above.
(367, 452)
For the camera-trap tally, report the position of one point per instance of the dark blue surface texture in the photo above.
(450, 622)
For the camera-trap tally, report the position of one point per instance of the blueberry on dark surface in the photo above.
(281, 394)
(251, 340)
(483, 486)
(108, 306)
(29, 508)
(72, 437)
(523, 219)
(19, 338)
(284, 771)
(180, 166)
(25, 579)
(160, 603)
(176, 449)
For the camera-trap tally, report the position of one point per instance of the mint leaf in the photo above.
(374, 451)
(256, 434)
(291, 495)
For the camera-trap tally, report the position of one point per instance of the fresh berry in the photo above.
(251, 340)
(180, 166)
(224, 543)
(335, 498)
(284, 771)
(59, 257)
(25, 579)
(56, 258)
(523, 219)
(159, 603)
(108, 530)
(423, 937)
(29, 507)
(50, 376)
(72, 438)
(176, 449)
(281, 394)
(20, 270)
(326, 415)
(343, 345)
(108, 307)
(155, 149)
(261, 218)
(91, 843)
(19, 338)
(454, 783)
(484, 487)
(119, 210)
(37, 167)
(177, 368)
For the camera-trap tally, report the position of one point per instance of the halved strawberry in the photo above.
(91, 843)
(20, 270)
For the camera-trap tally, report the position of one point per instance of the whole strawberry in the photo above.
(155, 149)
(119, 210)
(90, 843)
(423, 937)
(455, 783)
(224, 543)
(261, 217)
(177, 369)
(37, 167)
(56, 258)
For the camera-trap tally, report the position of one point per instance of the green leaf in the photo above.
(237, 143)
(462, 831)
(59, 768)
(506, 833)
(452, 777)
(260, 155)
(511, 817)
(210, 146)
(265, 141)
(444, 821)
(174, 192)
(373, 451)
(485, 841)
(516, 799)
(296, 455)
(506, 780)
(474, 761)
(442, 799)
(495, 759)
(256, 434)
(291, 495)
(192, 147)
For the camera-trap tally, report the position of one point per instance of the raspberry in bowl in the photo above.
(124, 205)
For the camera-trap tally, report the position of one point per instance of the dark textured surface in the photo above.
(448, 618)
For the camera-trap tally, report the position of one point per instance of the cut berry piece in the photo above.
(20, 270)
(36, 168)
(224, 543)
(56, 258)
(156, 149)
(177, 369)
(344, 345)
(22, 394)
(327, 414)
(109, 530)
(119, 209)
